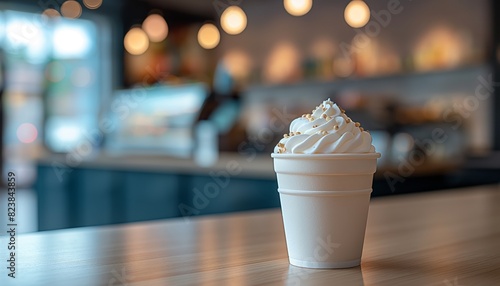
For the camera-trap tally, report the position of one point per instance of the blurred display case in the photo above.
(156, 119)
(53, 78)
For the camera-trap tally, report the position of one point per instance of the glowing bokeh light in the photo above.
(71, 9)
(297, 7)
(92, 4)
(71, 40)
(282, 64)
(208, 36)
(357, 14)
(27, 133)
(233, 20)
(156, 27)
(67, 133)
(238, 63)
(136, 41)
(28, 37)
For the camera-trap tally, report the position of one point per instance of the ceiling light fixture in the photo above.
(233, 20)
(298, 7)
(136, 41)
(208, 36)
(156, 27)
(357, 14)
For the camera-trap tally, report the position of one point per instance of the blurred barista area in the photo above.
(196, 128)
(420, 128)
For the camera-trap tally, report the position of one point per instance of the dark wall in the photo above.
(495, 59)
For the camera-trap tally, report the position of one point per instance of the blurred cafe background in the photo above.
(123, 111)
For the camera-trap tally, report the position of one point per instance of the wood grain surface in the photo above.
(448, 238)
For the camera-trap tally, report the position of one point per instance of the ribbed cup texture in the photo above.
(324, 201)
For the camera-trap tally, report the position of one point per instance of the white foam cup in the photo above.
(324, 203)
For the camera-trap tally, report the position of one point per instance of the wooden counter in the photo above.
(446, 238)
(107, 189)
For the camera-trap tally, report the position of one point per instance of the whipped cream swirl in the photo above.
(326, 130)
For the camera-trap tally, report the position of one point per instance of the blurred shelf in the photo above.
(260, 166)
(458, 76)
(388, 77)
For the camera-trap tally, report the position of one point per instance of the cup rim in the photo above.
(374, 155)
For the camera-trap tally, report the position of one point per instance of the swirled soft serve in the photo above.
(326, 130)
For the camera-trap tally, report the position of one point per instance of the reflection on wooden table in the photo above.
(440, 238)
